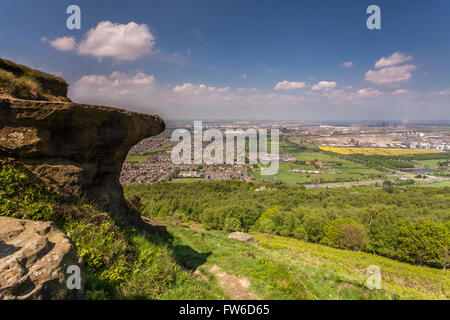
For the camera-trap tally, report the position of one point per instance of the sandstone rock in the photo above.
(241, 236)
(75, 149)
(34, 257)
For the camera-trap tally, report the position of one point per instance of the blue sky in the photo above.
(224, 59)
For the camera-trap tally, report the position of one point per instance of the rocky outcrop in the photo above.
(34, 257)
(241, 236)
(76, 149)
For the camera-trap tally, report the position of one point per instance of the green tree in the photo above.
(313, 223)
(424, 242)
(345, 233)
(232, 224)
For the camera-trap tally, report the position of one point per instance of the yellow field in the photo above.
(377, 151)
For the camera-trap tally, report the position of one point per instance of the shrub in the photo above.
(345, 233)
(232, 224)
(383, 227)
(7, 80)
(424, 242)
(353, 237)
(265, 222)
(313, 223)
(212, 219)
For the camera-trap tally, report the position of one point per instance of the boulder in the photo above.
(241, 236)
(34, 257)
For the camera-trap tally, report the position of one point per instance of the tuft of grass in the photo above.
(21, 82)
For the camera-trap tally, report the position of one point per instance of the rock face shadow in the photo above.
(188, 257)
(7, 249)
(183, 255)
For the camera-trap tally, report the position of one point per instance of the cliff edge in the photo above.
(75, 149)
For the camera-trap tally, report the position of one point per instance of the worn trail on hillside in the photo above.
(236, 287)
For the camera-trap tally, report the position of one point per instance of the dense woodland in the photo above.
(404, 223)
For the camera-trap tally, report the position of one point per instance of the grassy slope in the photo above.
(285, 268)
(128, 264)
(119, 263)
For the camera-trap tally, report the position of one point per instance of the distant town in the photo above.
(303, 147)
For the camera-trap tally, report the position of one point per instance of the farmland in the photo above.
(349, 172)
(377, 151)
(331, 168)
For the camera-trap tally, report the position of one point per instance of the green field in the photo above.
(432, 163)
(136, 158)
(436, 184)
(285, 175)
(143, 156)
(343, 170)
(184, 180)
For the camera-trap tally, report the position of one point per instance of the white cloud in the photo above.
(226, 89)
(444, 92)
(324, 85)
(369, 93)
(288, 85)
(392, 60)
(190, 88)
(348, 64)
(120, 41)
(246, 90)
(391, 74)
(116, 79)
(184, 87)
(142, 92)
(62, 44)
(244, 76)
(399, 92)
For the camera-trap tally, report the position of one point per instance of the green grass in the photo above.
(136, 158)
(399, 280)
(436, 184)
(25, 83)
(145, 155)
(184, 180)
(432, 163)
(285, 268)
